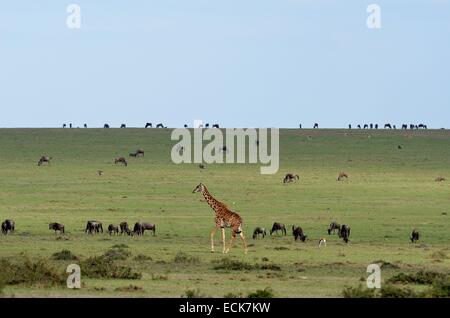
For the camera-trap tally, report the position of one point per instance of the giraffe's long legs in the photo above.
(223, 240)
(213, 232)
(244, 241)
(233, 237)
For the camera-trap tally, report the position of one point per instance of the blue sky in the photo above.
(240, 63)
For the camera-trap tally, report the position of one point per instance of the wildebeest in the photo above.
(344, 232)
(215, 126)
(123, 126)
(85, 125)
(139, 153)
(113, 229)
(278, 227)
(207, 125)
(323, 242)
(93, 227)
(56, 227)
(316, 125)
(366, 126)
(185, 126)
(404, 126)
(259, 231)
(414, 236)
(399, 147)
(349, 126)
(64, 125)
(160, 125)
(132, 154)
(148, 227)
(44, 159)
(121, 160)
(333, 227)
(201, 166)
(290, 177)
(124, 228)
(376, 126)
(297, 231)
(342, 175)
(148, 125)
(359, 126)
(105, 126)
(387, 126)
(8, 226)
(138, 230)
(439, 179)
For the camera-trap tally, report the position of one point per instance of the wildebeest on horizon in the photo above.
(333, 227)
(147, 125)
(123, 126)
(290, 177)
(278, 227)
(344, 233)
(113, 229)
(124, 228)
(8, 226)
(44, 159)
(298, 234)
(259, 231)
(121, 160)
(414, 236)
(105, 126)
(93, 227)
(160, 125)
(57, 227)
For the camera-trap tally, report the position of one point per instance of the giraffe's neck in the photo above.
(212, 202)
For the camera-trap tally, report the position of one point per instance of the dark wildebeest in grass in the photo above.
(366, 126)
(359, 126)
(148, 227)
(333, 227)
(121, 160)
(123, 126)
(342, 175)
(387, 126)
(298, 234)
(376, 126)
(93, 227)
(56, 227)
(207, 125)
(316, 125)
(439, 179)
(215, 126)
(160, 125)
(113, 229)
(8, 226)
(278, 227)
(138, 230)
(140, 153)
(259, 231)
(147, 125)
(404, 126)
(414, 236)
(290, 177)
(344, 232)
(124, 228)
(44, 159)
(349, 126)
(105, 126)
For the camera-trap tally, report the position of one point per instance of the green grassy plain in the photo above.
(390, 191)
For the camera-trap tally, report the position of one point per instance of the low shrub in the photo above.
(64, 255)
(193, 293)
(104, 267)
(117, 254)
(184, 258)
(232, 265)
(262, 293)
(421, 277)
(130, 288)
(358, 292)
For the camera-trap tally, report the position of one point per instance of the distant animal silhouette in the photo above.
(8, 226)
(322, 242)
(316, 125)
(85, 125)
(333, 227)
(185, 126)
(259, 231)
(56, 227)
(404, 126)
(64, 125)
(121, 160)
(113, 229)
(298, 234)
(93, 227)
(148, 125)
(414, 236)
(439, 179)
(278, 227)
(44, 159)
(160, 125)
(100, 172)
(215, 126)
(124, 228)
(123, 126)
(105, 126)
(342, 175)
(344, 233)
(290, 177)
(201, 166)
(387, 126)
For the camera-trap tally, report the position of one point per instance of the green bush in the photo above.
(184, 258)
(232, 265)
(193, 293)
(64, 255)
(262, 293)
(117, 254)
(390, 291)
(358, 292)
(421, 277)
(104, 267)
(30, 272)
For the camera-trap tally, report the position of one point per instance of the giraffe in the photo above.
(224, 217)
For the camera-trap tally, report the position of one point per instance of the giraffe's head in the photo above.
(199, 188)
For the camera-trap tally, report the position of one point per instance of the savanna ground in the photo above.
(390, 191)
